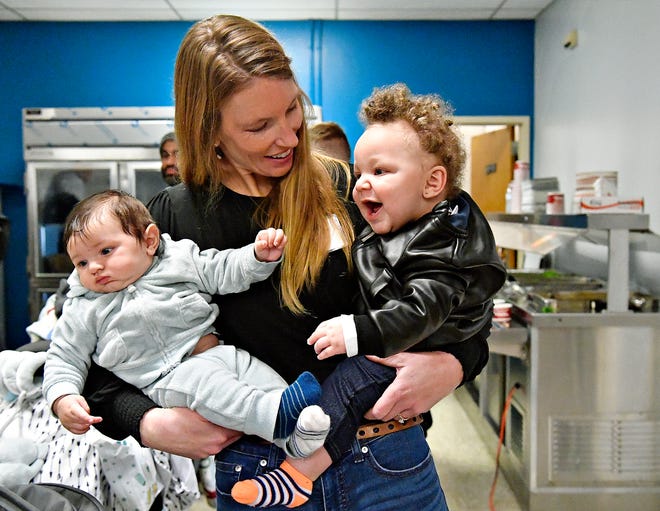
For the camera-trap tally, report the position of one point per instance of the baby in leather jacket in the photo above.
(427, 267)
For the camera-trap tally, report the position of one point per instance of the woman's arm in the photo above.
(425, 378)
(422, 380)
(121, 405)
(184, 432)
(128, 412)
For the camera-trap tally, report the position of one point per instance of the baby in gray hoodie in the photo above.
(140, 305)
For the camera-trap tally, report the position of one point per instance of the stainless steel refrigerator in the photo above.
(71, 153)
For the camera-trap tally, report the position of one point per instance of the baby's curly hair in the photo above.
(431, 118)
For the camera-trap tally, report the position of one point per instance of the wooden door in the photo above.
(492, 157)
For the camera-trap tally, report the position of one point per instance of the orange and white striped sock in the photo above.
(283, 486)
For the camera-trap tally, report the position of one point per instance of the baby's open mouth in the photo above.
(372, 206)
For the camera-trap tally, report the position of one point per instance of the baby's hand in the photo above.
(269, 244)
(328, 339)
(73, 412)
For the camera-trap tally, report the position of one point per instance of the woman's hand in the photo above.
(422, 380)
(184, 432)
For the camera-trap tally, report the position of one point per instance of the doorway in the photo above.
(490, 189)
(473, 126)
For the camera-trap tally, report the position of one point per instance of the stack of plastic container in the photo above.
(514, 191)
(594, 184)
(535, 193)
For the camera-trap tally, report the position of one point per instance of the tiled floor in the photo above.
(201, 505)
(465, 466)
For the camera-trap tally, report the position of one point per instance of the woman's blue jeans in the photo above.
(387, 473)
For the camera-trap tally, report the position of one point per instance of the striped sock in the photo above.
(303, 392)
(283, 486)
(311, 429)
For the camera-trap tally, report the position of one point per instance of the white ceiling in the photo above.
(192, 10)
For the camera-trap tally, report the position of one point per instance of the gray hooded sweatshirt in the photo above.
(145, 330)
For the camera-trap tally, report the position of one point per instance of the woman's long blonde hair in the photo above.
(218, 57)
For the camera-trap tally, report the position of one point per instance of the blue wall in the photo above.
(482, 68)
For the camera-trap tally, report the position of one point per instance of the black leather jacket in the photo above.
(432, 280)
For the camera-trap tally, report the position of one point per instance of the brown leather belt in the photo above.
(375, 429)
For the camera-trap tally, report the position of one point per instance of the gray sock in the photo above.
(311, 429)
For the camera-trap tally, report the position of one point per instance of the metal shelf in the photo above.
(630, 221)
(542, 234)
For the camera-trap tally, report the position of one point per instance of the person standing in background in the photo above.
(329, 138)
(169, 150)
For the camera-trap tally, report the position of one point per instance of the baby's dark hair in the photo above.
(133, 216)
(429, 116)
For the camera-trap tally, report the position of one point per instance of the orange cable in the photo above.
(505, 411)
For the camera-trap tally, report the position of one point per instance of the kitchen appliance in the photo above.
(581, 359)
(71, 153)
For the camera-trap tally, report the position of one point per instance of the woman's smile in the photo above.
(260, 127)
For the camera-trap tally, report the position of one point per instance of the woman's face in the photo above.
(259, 128)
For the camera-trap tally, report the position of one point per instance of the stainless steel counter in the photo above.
(583, 429)
(542, 234)
(512, 341)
